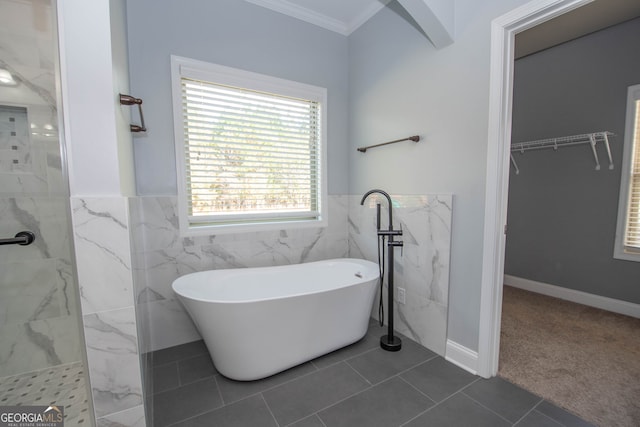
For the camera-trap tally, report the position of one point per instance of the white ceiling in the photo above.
(345, 16)
(589, 18)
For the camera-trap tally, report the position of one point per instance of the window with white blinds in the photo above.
(628, 233)
(632, 232)
(250, 148)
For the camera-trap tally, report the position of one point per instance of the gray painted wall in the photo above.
(562, 213)
(399, 86)
(236, 34)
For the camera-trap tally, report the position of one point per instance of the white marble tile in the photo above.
(30, 291)
(36, 290)
(162, 267)
(421, 266)
(103, 253)
(424, 321)
(167, 324)
(159, 227)
(38, 344)
(133, 417)
(114, 367)
(45, 216)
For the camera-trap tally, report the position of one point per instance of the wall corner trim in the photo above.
(584, 298)
(462, 356)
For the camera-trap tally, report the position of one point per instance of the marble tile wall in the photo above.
(104, 261)
(39, 327)
(38, 304)
(40, 323)
(162, 256)
(423, 268)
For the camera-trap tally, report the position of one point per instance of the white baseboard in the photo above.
(462, 356)
(604, 303)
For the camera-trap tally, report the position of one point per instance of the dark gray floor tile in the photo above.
(235, 390)
(251, 411)
(392, 402)
(502, 397)
(536, 419)
(438, 378)
(563, 417)
(312, 421)
(369, 341)
(182, 351)
(458, 411)
(302, 397)
(164, 377)
(185, 402)
(195, 368)
(378, 365)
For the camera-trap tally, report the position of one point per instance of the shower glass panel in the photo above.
(41, 345)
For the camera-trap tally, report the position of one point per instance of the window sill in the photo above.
(207, 230)
(627, 255)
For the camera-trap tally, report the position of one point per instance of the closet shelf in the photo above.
(565, 141)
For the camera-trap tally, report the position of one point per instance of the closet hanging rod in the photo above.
(414, 138)
(565, 141)
(561, 141)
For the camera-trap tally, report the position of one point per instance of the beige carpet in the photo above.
(583, 359)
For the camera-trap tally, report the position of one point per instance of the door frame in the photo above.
(503, 31)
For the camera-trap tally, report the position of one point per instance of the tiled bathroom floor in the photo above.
(360, 385)
(62, 385)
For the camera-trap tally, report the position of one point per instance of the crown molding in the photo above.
(320, 19)
(304, 14)
(366, 14)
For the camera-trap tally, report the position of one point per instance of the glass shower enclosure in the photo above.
(42, 350)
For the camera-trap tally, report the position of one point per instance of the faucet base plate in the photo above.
(393, 344)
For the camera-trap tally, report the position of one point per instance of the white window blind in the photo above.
(249, 156)
(632, 230)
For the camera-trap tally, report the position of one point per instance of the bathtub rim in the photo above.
(361, 280)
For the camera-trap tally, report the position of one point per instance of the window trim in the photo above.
(200, 70)
(620, 250)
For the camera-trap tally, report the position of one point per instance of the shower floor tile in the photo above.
(62, 385)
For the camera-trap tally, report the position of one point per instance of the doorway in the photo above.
(42, 356)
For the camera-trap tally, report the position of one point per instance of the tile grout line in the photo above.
(334, 403)
(371, 386)
(215, 379)
(535, 408)
(404, 371)
(429, 409)
(418, 390)
(487, 408)
(269, 409)
(529, 411)
(274, 386)
(436, 403)
(357, 372)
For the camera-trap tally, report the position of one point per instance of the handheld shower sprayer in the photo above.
(388, 342)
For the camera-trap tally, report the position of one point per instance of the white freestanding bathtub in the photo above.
(259, 321)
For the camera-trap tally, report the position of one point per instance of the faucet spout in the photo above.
(385, 194)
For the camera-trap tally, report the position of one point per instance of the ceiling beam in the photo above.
(435, 17)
